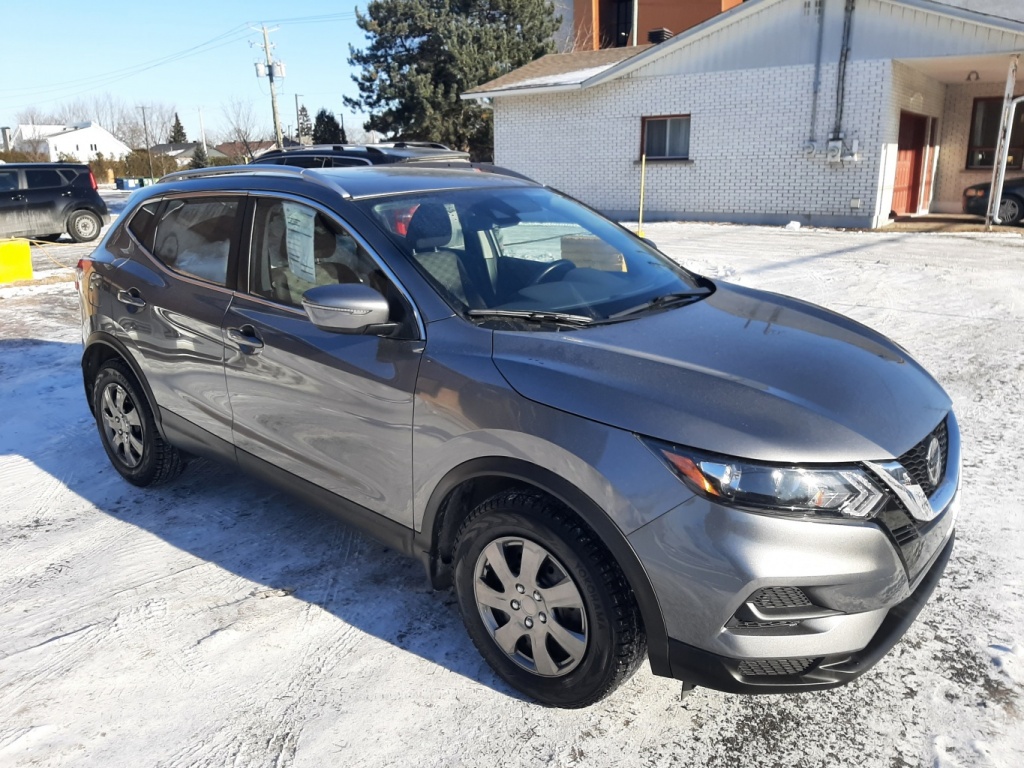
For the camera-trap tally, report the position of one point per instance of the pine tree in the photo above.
(304, 132)
(177, 132)
(199, 157)
(423, 54)
(327, 129)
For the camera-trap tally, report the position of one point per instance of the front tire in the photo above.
(128, 431)
(84, 226)
(544, 602)
(1011, 210)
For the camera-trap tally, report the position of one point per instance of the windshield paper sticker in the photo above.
(298, 220)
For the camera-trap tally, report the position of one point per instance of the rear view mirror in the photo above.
(348, 308)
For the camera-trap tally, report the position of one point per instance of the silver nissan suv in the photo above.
(606, 455)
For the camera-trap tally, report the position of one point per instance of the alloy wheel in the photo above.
(122, 424)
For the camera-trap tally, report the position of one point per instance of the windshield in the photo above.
(529, 252)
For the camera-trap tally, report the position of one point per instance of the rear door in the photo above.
(46, 193)
(12, 203)
(333, 409)
(170, 300)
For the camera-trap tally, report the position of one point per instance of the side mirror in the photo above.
(348, 308)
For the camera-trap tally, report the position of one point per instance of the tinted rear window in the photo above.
(43, 179)
(143, 223)
(8, 181)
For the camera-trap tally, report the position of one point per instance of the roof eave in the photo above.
(522, 91)
(963, 14)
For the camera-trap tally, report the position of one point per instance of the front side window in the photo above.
(193, 236)
(527, 250)
(666, 137)
(295, 248)
(8, 181)
(984, 138)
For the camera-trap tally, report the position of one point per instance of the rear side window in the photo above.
(8, 181)
(69, 174)
(143, 225)
(194, 236)
(43, 179)
(304, 161)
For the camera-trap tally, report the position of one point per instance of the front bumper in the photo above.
(975, 205)
(763, 604)
(722, 673)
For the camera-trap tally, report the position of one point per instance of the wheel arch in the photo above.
(468, 484)
(101, 347)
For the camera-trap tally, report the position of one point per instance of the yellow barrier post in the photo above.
(643, 180)
(15, 261)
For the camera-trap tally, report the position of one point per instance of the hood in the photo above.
(742, 372)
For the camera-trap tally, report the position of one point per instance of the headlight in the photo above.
(974, 192)
(839, 492)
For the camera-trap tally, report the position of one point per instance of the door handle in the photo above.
(131, 298)
(245, 337)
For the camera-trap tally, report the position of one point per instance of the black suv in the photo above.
(43, 200)
(348, 155)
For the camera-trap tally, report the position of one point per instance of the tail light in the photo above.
(92, 180)
(79, 271)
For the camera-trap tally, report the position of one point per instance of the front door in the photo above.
(12, 204)
(906, 197)
(331, 408)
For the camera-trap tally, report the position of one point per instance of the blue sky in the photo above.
(189, 54)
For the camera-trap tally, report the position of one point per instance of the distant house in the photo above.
(82, 141)
(183, 153)
(836, 112)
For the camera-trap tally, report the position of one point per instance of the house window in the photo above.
(92, 147)
(981, 151)
(666, 137)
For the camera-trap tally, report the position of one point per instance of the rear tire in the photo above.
(84, 226)
(544, 601)
(128, 431)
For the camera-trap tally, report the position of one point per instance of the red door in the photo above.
(909, 163)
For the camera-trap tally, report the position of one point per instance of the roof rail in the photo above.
(253, 169)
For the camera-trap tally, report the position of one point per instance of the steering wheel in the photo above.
(556, 270)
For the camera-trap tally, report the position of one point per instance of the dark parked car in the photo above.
(1011, 206)
(44, 200)
(347, 155)
(607, 455)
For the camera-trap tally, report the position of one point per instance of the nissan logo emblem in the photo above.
(933, 462)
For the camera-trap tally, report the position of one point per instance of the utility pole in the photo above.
(149, 149)
(298, 121)
(202, 130)
(271, 69)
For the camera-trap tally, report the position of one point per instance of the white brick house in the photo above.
(735, 128)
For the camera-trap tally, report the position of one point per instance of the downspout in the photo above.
(1003, 149)
(844, 54)
(817, 72)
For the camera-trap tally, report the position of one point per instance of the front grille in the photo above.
(915, 461)
(775, 667)
(774, 598)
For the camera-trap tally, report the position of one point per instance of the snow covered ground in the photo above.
(217, 622)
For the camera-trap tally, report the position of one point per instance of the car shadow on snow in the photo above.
(232, 520)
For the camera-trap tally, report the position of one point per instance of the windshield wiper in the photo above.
(660, 302)
(535, 315)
